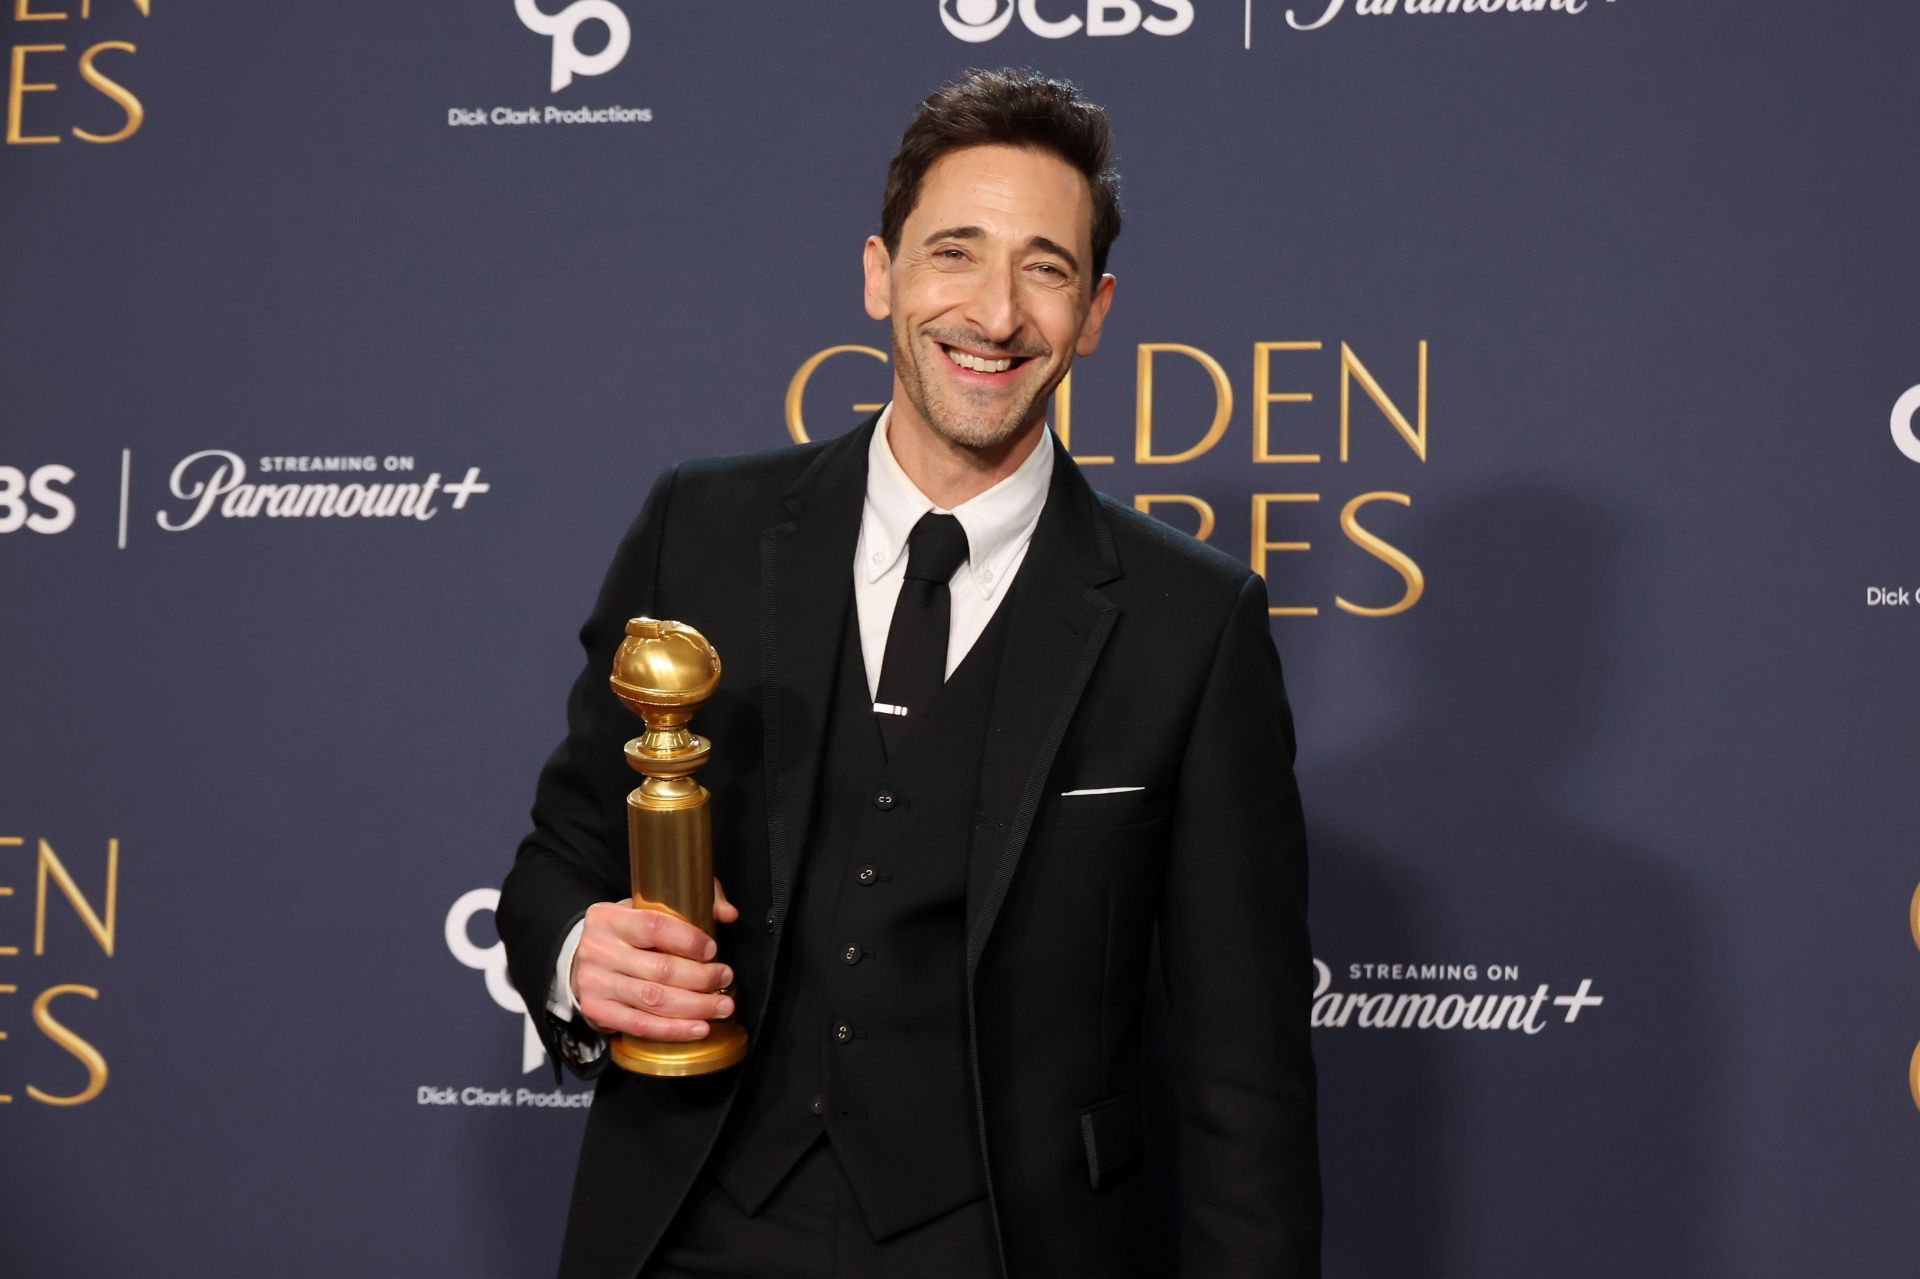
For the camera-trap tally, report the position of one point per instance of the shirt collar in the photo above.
(998, 522)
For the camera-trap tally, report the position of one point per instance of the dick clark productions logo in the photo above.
(563, 28)
(1906, 410)
(492, 962)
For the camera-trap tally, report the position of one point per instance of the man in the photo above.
(981, 734)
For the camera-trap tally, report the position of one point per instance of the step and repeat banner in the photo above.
(1557, 361)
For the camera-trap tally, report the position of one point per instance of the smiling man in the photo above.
(988, 310)
(982, 738)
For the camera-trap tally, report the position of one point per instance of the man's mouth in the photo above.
(991, 366)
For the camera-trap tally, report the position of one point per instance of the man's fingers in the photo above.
(619, 959)
(654, 998)
(611, 1018)
(654, 930)
(648, 973)
(723, 910)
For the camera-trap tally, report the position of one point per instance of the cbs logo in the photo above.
(34, 500)
(977, 21)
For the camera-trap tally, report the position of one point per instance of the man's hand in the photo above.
(646, 973)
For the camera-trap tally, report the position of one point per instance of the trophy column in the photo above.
(662, 673)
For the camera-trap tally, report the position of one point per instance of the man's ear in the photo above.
(877, 263)
(1096, 317)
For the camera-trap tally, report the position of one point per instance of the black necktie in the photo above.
(916, 662)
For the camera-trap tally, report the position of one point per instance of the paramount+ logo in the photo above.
(977, 21)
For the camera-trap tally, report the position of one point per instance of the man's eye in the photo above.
(951, 255)
(1052, 270)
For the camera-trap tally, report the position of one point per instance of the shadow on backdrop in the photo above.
(1468, 830)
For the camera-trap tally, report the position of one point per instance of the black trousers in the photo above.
(812, 1226)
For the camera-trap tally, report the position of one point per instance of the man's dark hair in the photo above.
(1009, 108)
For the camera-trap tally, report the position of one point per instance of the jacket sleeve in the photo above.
(1239, 972)
(576, 854)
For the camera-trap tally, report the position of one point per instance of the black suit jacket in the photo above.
(1135, 656)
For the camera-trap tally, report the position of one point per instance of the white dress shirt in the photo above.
(999, 524)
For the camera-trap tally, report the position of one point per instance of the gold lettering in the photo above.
(6, 1099)
(1063, 421)
(6, 890)
(797, 389)
(1143, 403)
(136, 114)
(1264, 398)
(1350, 368)
(1145, 502)
(51, 865)
(144, 6)
(21, 13)
(84, 1052)
(1261, 545)
(20, 88)
(1391, 556)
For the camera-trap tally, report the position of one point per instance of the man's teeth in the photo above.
(977, 364)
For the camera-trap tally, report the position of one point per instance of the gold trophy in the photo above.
(662, 673)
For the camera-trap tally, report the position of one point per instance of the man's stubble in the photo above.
(942, 406)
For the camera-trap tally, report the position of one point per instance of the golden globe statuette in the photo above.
(662, 673)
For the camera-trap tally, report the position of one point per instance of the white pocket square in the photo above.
(1100, 790)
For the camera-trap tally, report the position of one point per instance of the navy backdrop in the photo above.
(1601, 634)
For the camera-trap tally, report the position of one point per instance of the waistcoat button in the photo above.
(883, 799)
(851, 955)
(867, 874)
(818, 1105)
(843, 1032)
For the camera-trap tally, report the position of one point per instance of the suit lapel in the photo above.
(1057, 625)
(806, 583)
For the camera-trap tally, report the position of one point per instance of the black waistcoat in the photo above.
(865, 1037)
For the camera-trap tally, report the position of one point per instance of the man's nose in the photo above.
(994, 307)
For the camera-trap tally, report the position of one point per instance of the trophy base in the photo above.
(724, 1046)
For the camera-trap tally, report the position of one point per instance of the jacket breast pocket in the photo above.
(1114, 808)
(1114, 1135)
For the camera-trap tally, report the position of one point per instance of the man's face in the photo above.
(990, 294)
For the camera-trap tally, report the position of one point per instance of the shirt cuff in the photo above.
(560, 994)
